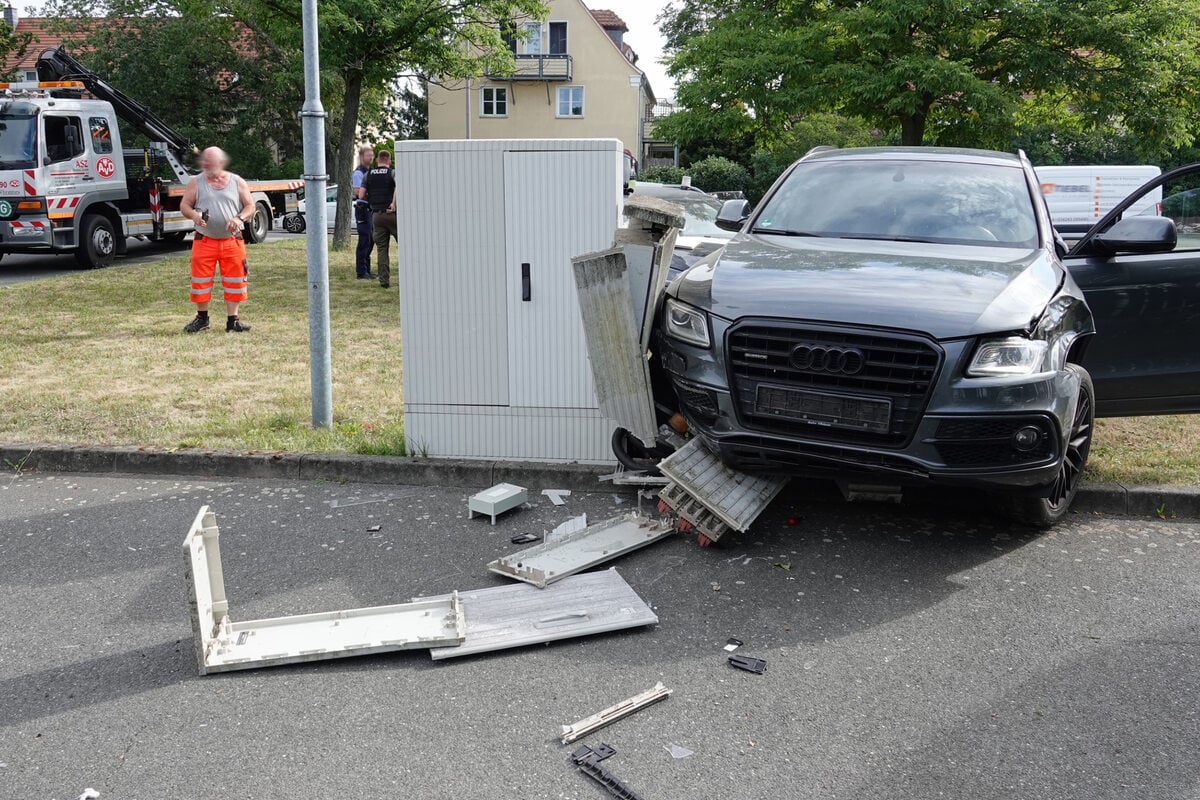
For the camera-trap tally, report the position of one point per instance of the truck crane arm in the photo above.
(56, 64)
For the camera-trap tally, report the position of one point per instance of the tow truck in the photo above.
(67, 185)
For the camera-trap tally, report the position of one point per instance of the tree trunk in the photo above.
(346, 158)
(912, 130)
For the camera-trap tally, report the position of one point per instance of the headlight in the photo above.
(1012, 356)
(687, 324)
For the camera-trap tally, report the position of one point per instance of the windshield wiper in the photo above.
(783, 232)
(884, 237)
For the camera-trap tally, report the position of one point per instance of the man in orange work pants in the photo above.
(220, 205)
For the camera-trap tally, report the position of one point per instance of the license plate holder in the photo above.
(870, 414)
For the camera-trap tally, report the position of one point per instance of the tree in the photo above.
(13, 47)
(955, 71)
(367, 45)
(203, 74)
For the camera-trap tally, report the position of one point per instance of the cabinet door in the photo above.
(558, 205)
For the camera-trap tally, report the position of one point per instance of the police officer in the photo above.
(379, 190)
(362, 215)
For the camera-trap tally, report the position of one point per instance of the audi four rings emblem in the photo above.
(828, 358)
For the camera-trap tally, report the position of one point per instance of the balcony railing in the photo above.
(538, 67)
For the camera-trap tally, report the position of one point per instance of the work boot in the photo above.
(235, 325)
(198, 324)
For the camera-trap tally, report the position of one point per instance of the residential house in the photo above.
(575, 78)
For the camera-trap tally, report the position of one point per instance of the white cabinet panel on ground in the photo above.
(495, 362)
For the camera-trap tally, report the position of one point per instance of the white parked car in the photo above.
(296, 222)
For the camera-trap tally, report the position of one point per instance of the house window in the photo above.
(570, 101)
(558, 38)
(31, 75)
(533, 38)
(493, 101)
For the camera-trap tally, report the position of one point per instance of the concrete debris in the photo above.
(89, 794)
(595, 722)
(496, 500)
(557, 496)
(550, 561)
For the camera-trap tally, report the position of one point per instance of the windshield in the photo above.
(18, 136)
(922, 201)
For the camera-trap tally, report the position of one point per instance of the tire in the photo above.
(259, 225)
(174, 238)
(1044, 512)
(97, 242)
(294, 223)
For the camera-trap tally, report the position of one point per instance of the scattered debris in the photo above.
(733, 644)
(89, 794)
(756, 665)
(735, 498)
(557, 496)
(495, 501)
(692, 514)
(678, 752)
(595, 722)
(223, 645)
(374, 529)
(518, 614)
(785, 565)
(573, 525)
(588, 762)
(525, 538)
(550, 561)
(625, 477)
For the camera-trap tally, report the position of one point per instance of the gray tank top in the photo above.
(222, 205)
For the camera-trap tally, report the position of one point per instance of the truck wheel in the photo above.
(1044, 512)
(97, 242)
(258, 226)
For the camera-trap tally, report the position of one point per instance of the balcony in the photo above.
(538, 67)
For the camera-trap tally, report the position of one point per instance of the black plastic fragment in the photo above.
(588, 761)
(525, 538)
(756, 665)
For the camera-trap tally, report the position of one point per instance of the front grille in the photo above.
(872, 390)
(700, 402)
(988, 442)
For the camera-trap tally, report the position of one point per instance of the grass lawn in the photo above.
(100, 357)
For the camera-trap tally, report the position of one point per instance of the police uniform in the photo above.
(362, 223)
(380, 183)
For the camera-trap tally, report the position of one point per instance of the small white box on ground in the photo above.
(496, 500)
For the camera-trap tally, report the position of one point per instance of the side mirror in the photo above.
(733, 215)
(1137, 235)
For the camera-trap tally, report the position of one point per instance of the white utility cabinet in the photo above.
(495, 362)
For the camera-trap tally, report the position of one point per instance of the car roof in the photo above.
(959, 154)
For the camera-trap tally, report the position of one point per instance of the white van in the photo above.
(1079, 196)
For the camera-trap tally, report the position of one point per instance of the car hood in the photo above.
(946, 291)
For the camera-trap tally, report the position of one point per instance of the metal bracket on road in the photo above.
(223, 645)
(595, 722)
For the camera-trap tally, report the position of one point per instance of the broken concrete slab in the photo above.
(654, 210)
(223, 645)
(551, 561)
(736, 498)
(518, 614)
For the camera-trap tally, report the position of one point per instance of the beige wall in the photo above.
(611, 105)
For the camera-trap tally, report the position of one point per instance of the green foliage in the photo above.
(719, 174)
(413, 116)
(13, 47)
(947, 71)
(663, 174)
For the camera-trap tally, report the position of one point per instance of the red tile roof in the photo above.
(609, 20)
(44, 37)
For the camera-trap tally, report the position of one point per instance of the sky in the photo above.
(643, 37)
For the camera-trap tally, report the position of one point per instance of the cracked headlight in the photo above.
(1009, 356)
(687, 324)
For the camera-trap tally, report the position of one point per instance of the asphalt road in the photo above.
(913, 652)
(17, 268)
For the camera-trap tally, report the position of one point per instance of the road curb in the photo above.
(301, 466)
(1165, 501)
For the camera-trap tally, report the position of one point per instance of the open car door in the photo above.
(1140, 274)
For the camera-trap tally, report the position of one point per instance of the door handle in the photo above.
(87, 178)
(526, 290)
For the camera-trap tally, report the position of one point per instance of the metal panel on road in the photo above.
(735, 497)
